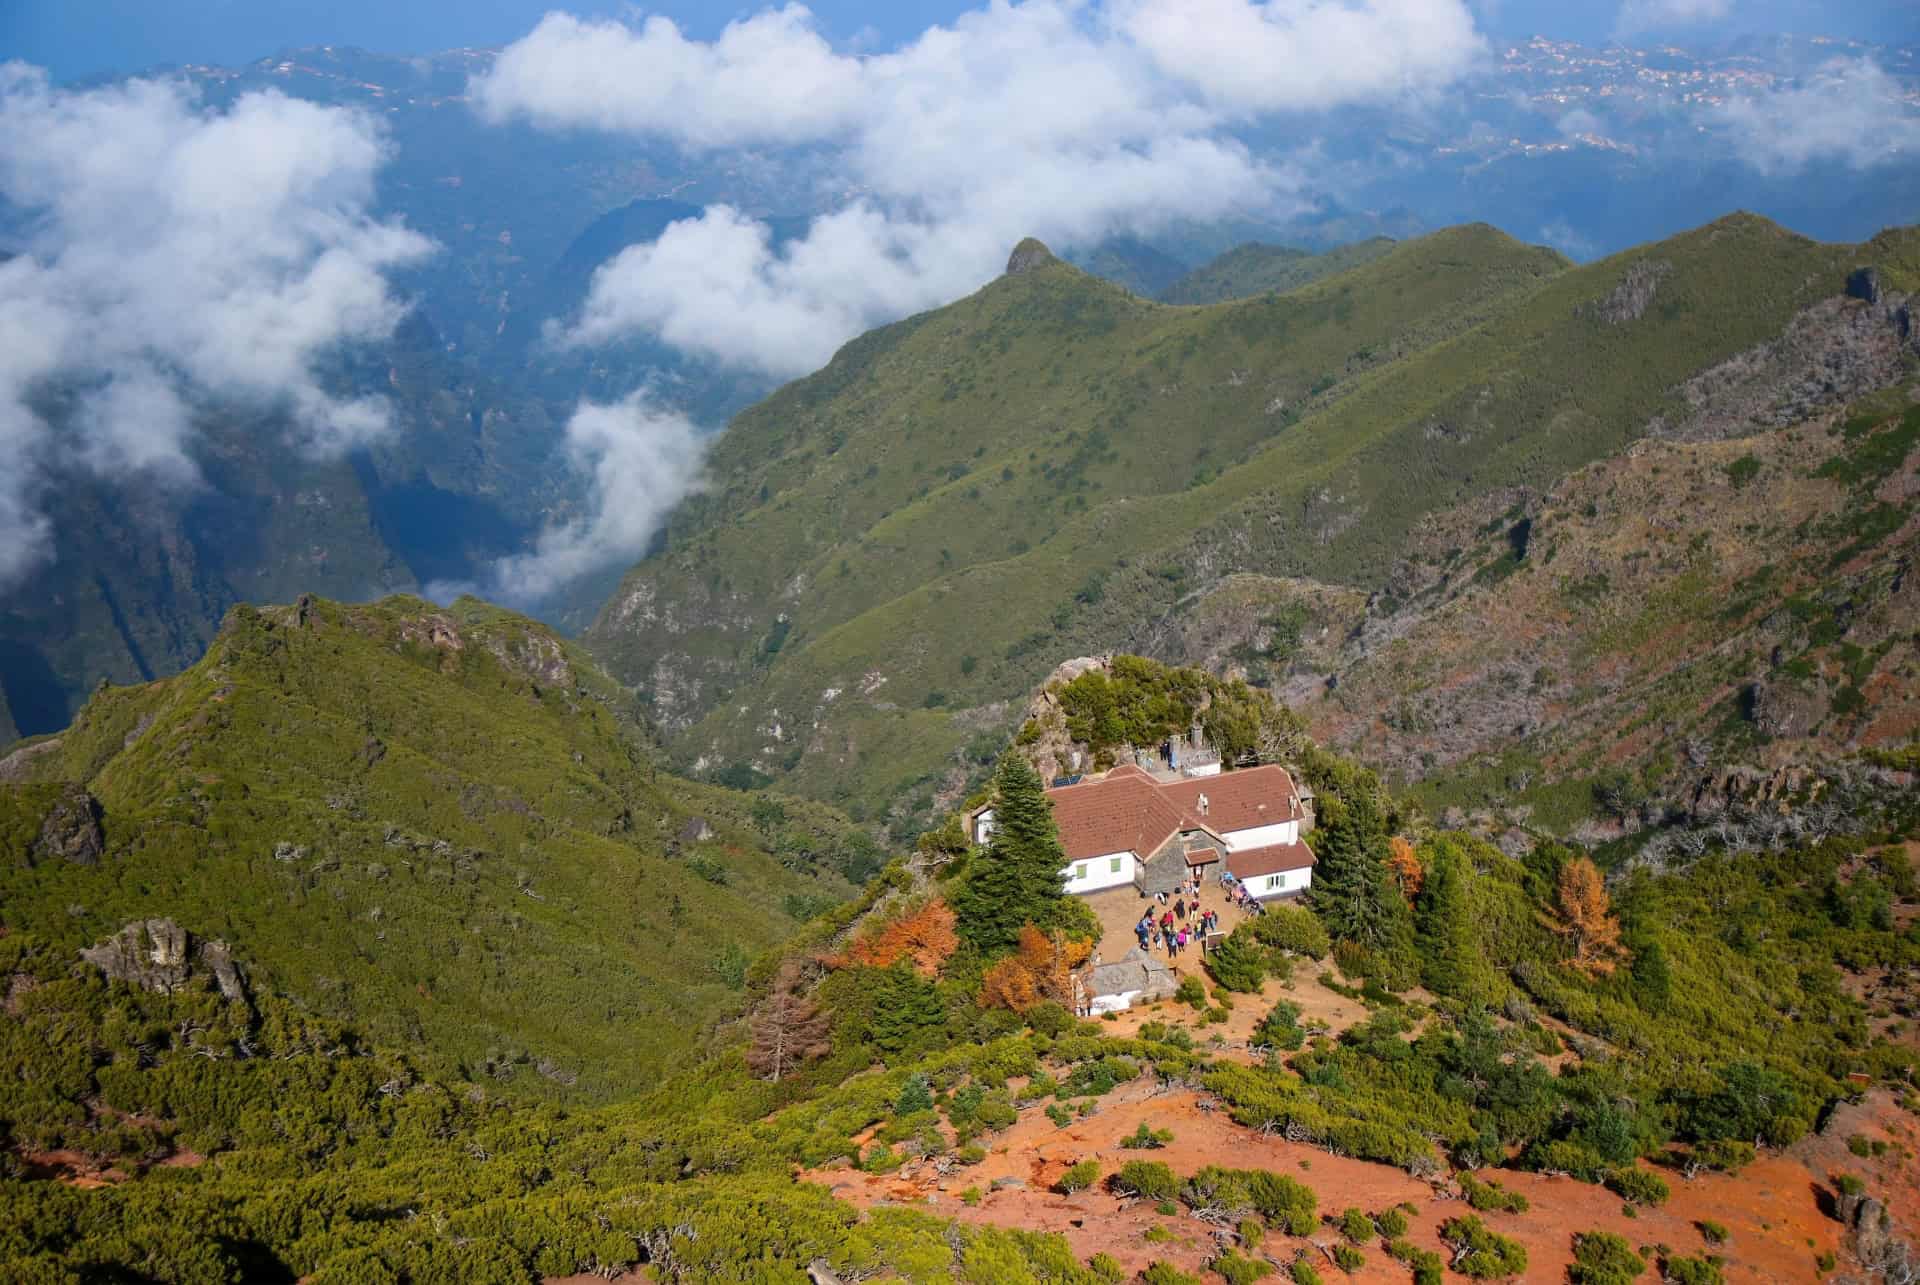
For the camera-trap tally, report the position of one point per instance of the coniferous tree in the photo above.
(788, 1029)
(1353, 888)
(1019, 878)
(1447, 934)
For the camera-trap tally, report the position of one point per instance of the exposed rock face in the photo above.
(18, 766)
(1785, 709)
(1829, 354)
(1872, 1230)
(159, 955)
(148, 953)
(1628, 301)
(1028, 255)
(1864, 284)
(72, 831)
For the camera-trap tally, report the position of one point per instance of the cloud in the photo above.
(1849, 111)
(171, 256)
(1063, 120)
(1647, 15)
(638, 460)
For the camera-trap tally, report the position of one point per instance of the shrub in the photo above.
(1294, 929)
(1059, 1114)
(1849, 1185)
(1712, 1232)
(1191, 992)
(1238, 1270)
(1238, 963)
(1490, 1195)
(1639, 1186)
(1602, 1258)
(1146, 1179)
(1305, 1274)
(1147, 1138)
(1392, 1223)
(1349, 1259)
(1078, 1177)
(1858, 1144)
(1693, 1271)
(970, 1197)
(1251, 1232)
(1356, 1226)
(1107, 1268)
(1724, 1155)
(1163, 1274)
(1283, 1202)
(1281, 1028)
(1480, 1251)
(915, 1095)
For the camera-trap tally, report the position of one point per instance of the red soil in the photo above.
(1772, 1210)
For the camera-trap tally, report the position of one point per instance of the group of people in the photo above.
(1237, 895)
(1182, 924)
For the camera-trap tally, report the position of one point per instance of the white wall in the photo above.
(1111, 1003)
(1279, 885)
(1109, 871)
(983, 827)
(1261, 836)
(1202, 769)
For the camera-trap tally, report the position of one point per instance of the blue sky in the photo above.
(76, 38)
(79, 38)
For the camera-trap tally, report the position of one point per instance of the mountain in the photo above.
(143, 573)
(1254, 268)
(441, 826)
(893, 548)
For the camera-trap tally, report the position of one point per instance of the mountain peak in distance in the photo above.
(1031, 253)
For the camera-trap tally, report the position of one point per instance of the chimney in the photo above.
(1203, 805)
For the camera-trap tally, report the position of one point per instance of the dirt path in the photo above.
(1772, 1210)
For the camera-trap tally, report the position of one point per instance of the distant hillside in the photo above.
(898, 546)
(1252, 269)
(439, 825)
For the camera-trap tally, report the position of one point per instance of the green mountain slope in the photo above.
(1254, 268)
(895, 546)
(439, 825)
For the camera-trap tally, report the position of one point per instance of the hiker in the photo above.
(1180, 909)
(1183, 939)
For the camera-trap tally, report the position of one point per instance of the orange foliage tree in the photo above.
(925, 936)
(788, 1028)
(1043, 968)
(1405, 864)
(1584, 918)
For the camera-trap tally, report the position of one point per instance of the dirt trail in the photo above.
(1772, 1210)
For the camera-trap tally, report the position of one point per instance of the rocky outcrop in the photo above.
(19, 765)
(159, 955)
(1628, 301)
(71, 831)
(1784, 709)
(1030, 254)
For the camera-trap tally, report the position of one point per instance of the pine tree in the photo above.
(1586, 920)
(1019, 878)
(788, 1029)
(1448, 937)
(1353, 888)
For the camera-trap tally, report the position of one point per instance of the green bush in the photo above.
(1147, 1138)
(1078, 1177)
(1491, 1196)
(915, 1096)
(1391, 1223)
(1602, 1258)
(1714, 1233)
(1348, 1259)
(1281, 1028)
(1146, 1179)
(1191, 992)
(1292, 929)
(1639, 1186)
(1238, 963)
(1481, 1252)
(1693, 1271)
(1356, 1226)
(1304, 1273)
(1239, 1270)
(1163, 1274)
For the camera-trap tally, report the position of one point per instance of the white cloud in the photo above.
(1064, 120)
(1647, 15)
(1848, 111)
(638, 460)
(174, 255)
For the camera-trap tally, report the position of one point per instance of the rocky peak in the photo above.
(159, 955)
(1030, 254)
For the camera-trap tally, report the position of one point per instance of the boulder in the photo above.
(159, 955)
(71, 830)
(1030, 254)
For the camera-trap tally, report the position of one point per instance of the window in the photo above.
(1080, 871)
(1274, 881)
(1113, 866)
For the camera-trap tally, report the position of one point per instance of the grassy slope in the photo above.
(1254, 268)
(484, 873)
(1431, 404)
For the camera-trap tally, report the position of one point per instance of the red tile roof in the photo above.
(1128, 811)
(1254, 863)
(1241, 800)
